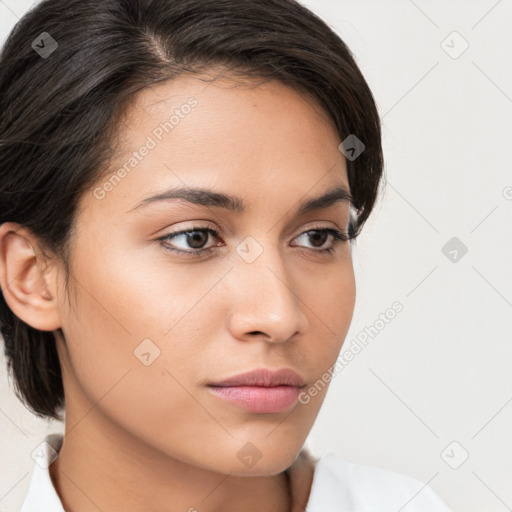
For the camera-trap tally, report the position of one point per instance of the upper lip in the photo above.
(264, 378)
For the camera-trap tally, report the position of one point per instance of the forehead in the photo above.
(248, 138)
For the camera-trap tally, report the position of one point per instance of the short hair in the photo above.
(59, 114)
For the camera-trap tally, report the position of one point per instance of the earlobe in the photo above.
(23, 279)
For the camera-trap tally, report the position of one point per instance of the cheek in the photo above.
(133, 339)
(142, 386)
(329, 300)
(331, 305)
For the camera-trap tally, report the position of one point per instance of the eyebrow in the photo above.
(210, 198)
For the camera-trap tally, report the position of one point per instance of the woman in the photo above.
(181, 185)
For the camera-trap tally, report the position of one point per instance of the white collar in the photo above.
(41, 492)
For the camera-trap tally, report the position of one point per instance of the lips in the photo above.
(261, 390)
(264, 378)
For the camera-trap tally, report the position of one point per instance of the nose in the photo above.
(264, 300)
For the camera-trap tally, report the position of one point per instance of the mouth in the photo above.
(261, 390)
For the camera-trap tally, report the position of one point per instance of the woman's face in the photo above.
(148, 330)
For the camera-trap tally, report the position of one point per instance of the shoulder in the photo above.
(339, 484)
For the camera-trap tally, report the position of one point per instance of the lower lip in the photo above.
(257, 398)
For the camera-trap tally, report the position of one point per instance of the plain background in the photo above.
(434, 385)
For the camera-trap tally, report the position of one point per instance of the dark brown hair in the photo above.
(59, 112)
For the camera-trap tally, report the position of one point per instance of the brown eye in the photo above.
(320, 235)
(194, 239)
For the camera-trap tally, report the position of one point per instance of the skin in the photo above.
(142, 437)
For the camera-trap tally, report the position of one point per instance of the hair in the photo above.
(60, 112)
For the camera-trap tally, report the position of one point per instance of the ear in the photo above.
(29, 288)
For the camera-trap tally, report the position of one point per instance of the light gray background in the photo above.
(440, 372)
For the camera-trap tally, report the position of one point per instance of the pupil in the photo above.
(197, 238)
(318, 234)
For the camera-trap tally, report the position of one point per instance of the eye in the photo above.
(197, 236)
(319, 235)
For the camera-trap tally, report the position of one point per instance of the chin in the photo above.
(267, 461)
(263, 469)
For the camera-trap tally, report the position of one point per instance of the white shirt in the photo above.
(338, 486)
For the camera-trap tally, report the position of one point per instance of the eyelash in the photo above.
(338, 237)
